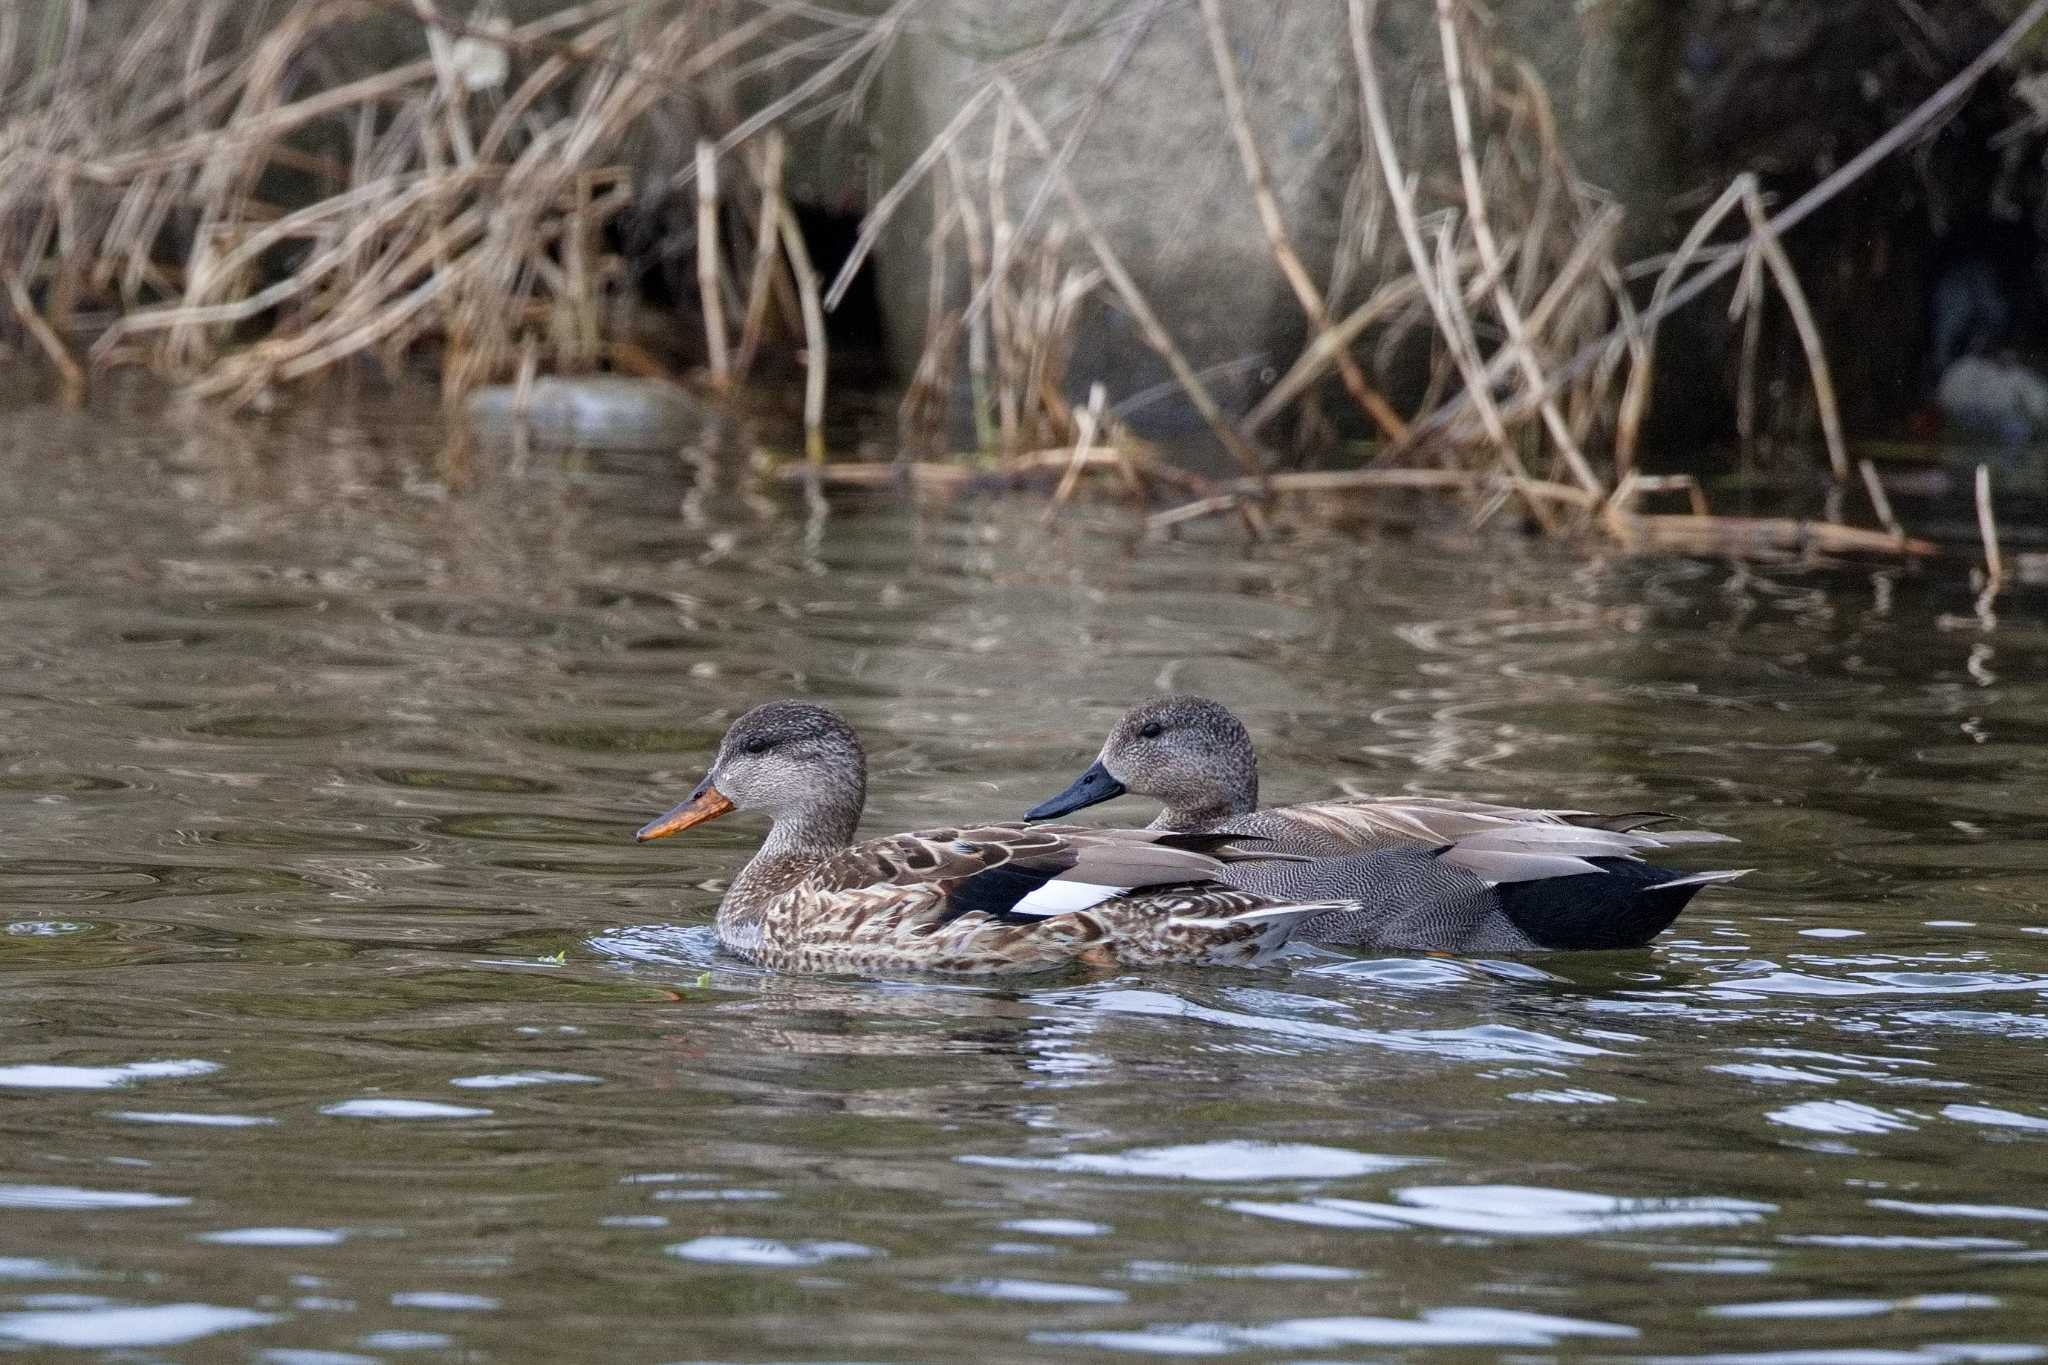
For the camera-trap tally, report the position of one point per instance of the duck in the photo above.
(1430, 874)
(971, 899)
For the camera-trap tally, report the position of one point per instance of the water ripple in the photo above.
(111, 1327)
(46, 1077)
(1237, 1160)
(1516, 1211)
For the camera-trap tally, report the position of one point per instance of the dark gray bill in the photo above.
(1091, 787)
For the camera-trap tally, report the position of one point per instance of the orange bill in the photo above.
(705, 803)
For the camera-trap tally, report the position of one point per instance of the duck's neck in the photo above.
(796, 842)
(812, 831)
(1198, 817)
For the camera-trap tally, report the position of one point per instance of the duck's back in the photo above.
(1281, 829)
(1333, 829)
(1323, 829)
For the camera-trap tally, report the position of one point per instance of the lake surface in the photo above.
(341, 1020)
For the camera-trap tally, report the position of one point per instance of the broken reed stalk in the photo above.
(1155, 332)
(1490, 255)
(1591, 257)
(1765, 243)
(1322, 351)
(1328, 348)
(70, 375)
(815, 353)
(884, 209)
(441, 51)
(1084, 441)
(981, 397)
(923, 408)
(967, 470)
(1635, 398)
(1017, 349)
(1079, 121)
(1632, 487)
(1008, 399)
(1328, 481)
(1987, 530)
(1275, 228)
(709, 296)
(1748, 302)
(1880, 501)
(767, 166)
(1632, 344)
(1759, 537)
(872, 37)
(1373, 108)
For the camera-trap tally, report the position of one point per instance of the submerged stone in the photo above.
(615, 412)
(1998, 398)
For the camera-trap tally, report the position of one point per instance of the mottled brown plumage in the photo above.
(974, 900)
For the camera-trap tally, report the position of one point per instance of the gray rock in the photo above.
(607, 411)
(1999, 398)
(1160, 170)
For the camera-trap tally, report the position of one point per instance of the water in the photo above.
(342, 1020)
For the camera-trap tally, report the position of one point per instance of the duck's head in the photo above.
(1189, 752)
(797, 761)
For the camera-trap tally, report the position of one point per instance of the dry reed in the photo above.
(458, 206)
(1560, 400)
(710, 299)
(455, 205)
(1987, 528)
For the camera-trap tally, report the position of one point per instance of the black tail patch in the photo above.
(1620, 906)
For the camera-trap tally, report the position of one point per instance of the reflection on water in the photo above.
(342, 1021)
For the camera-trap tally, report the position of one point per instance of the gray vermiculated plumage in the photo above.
(1430, 873)
(1399, 898)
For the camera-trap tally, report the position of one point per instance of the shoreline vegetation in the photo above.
(236, 199)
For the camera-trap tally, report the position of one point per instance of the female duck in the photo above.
(1419, 872)
(977, 899)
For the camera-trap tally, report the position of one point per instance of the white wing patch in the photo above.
(1059, 897)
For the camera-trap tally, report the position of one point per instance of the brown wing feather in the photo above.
(941, 857)
(884, 904)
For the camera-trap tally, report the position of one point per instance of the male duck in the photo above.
(978, 899)
(1420, 873)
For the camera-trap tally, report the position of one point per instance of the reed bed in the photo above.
(215, 191)
(221, 193)
(1485, 251)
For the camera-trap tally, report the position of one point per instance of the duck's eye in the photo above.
(756, 746)
(1151, 729)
